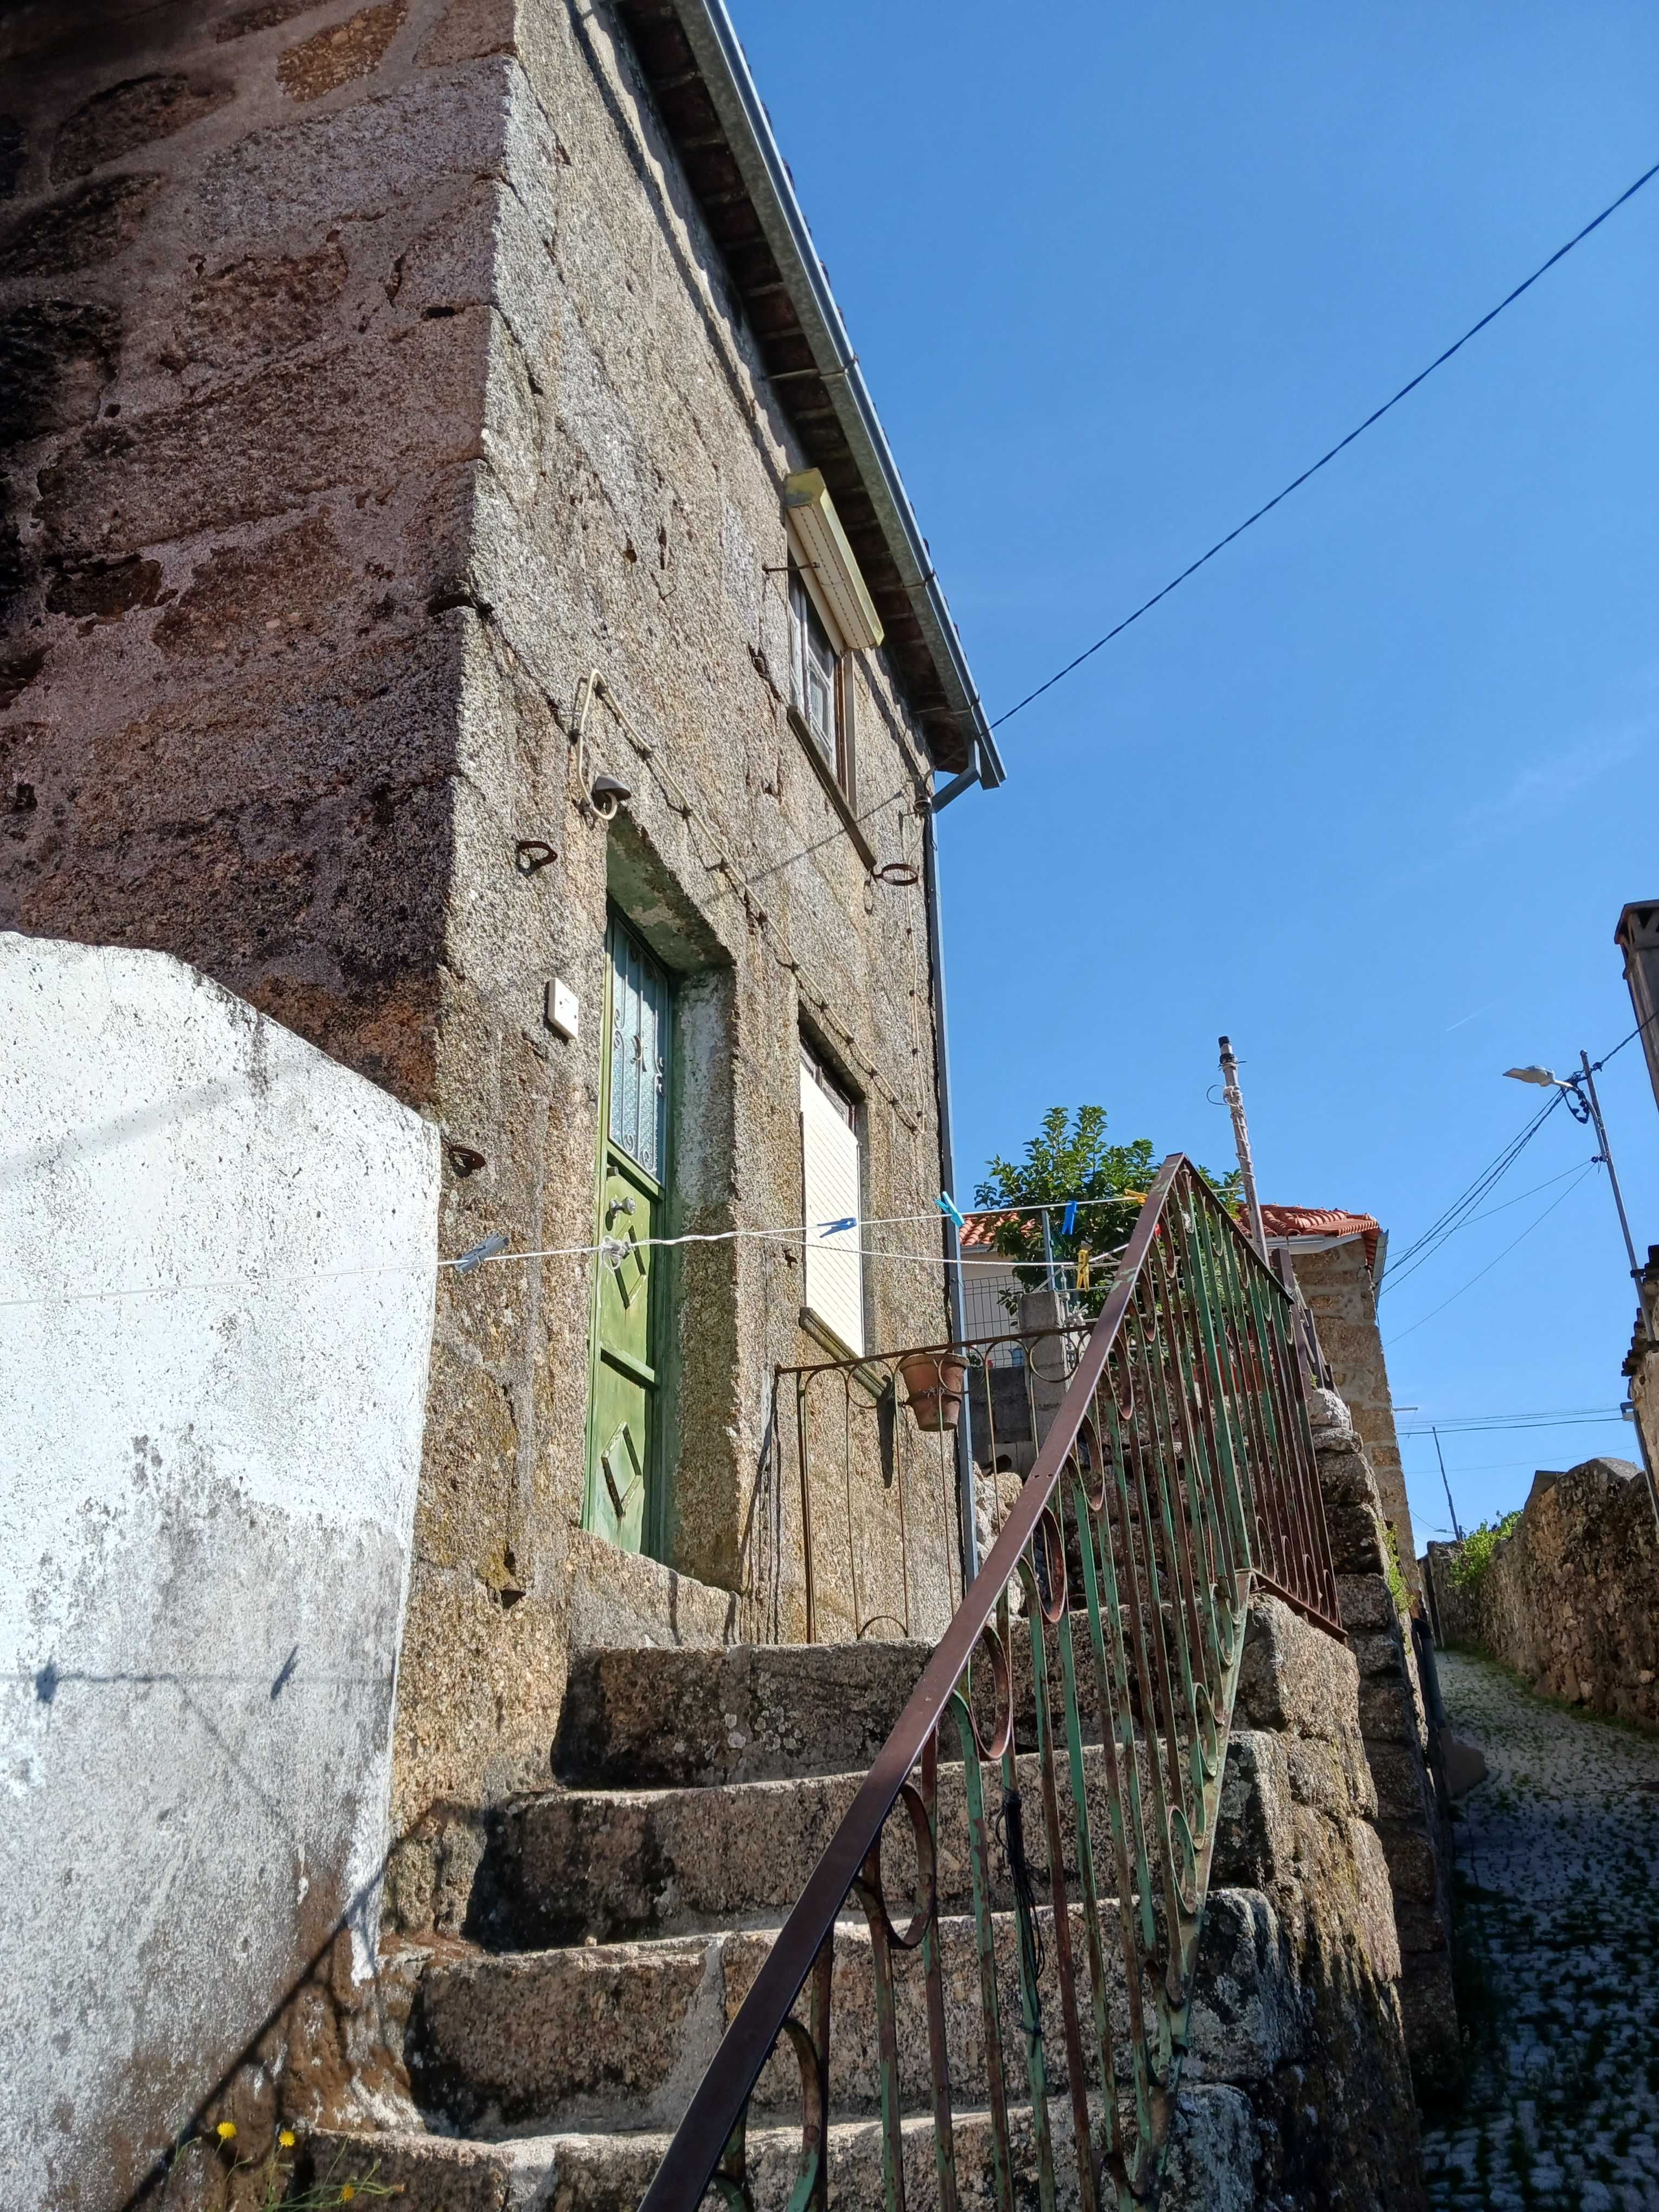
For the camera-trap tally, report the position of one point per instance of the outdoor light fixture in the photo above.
(1540, 1075)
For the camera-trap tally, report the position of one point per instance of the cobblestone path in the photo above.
(1559, 1855)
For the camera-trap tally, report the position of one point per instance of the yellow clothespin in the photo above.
(1082, 1267)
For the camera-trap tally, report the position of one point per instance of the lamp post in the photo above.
(1584, 1106)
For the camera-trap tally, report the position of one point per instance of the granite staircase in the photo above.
(619, 1918)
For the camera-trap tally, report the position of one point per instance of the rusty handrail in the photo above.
(1209, 1385)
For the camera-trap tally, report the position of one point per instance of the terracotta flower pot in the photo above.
(932, 1388)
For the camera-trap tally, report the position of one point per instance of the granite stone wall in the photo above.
(1411, 1816)
(370, 383)
(1335, 2124)
(1568, 1599)
(1338, 1286)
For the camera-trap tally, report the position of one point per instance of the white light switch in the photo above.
(563, 1010)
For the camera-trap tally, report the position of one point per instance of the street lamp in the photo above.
(1584, 1106)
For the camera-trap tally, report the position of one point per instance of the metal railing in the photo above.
(870, 1443)
(1107, 1626)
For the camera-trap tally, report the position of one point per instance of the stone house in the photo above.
(458, 595)
(1339, 1258)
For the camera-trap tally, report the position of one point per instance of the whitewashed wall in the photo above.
(206, 1489)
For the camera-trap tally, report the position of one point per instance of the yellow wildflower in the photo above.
(226, 2131)
(286, 2138)
(347, 2193)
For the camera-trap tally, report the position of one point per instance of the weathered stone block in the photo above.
(1293, 1675)
(255, 306)
(1214, 2147)
(1367, 1602)
(1356, 1537)
(90, 225)
(269, 444)
(1398, 1772)
(56, 357)
(334, 56)
(1377, 1654)
(1414, 1865)
(298, 180)
(127, 116)
(1387, 1713)
(1255, 1838)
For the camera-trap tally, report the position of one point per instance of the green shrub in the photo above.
(1468, 1569)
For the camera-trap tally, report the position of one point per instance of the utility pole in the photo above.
(1604, 1153)
(1235, 1101)
(1456, 1527)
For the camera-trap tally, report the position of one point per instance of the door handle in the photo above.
(617, 1206)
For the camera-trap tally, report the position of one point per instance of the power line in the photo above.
(1454, 1217)
(1491, 1264)
(1484, 1424)
(1439, 361)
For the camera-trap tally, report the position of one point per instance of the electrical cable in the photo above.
(1483, 1424)
(1491, 1264)
(1296, 482)
(1453, 1217)
(1457, 1216)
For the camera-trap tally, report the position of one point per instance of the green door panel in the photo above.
(624, 1422)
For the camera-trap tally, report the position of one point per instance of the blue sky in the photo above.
(1369, 792)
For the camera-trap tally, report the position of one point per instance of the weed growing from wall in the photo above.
(1468, 1569)
(274, 2175)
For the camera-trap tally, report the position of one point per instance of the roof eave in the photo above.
(731, 91)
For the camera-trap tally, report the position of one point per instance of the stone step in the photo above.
(618, 2035)
(621, 1865)
(652, 1717)
(656, 1718)
(1212, 2150)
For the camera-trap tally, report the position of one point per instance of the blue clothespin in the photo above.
(1070, 1223)
(493, 1243)
(948, 1207)
(834, 1228)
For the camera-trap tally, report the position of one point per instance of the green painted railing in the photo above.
(1104, 1632)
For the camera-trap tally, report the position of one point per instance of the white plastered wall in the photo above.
(207, 1488)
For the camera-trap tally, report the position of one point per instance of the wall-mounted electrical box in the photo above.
(562, 1010)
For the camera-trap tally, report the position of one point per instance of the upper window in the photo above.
(831, 1192)
(817, 681)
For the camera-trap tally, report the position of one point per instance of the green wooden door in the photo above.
(627, 1378)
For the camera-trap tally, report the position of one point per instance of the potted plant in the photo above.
(932, 1387)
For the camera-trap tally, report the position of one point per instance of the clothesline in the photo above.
(494, 1249)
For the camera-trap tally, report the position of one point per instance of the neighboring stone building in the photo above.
(1642, 1363)
(1339, 1259)
(419, 415)
(1638, 938)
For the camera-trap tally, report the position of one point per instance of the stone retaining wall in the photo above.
(1569, 1599)
(1410, 1817)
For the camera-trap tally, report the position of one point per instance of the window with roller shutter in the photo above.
(830, 1181)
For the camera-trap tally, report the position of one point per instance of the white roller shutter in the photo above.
(830, 1163)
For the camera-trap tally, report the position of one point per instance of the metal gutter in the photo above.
(720, 56)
